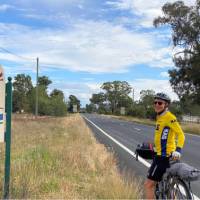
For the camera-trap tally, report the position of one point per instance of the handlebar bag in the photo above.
(145, 150)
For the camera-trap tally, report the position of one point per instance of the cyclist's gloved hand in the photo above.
(176, 154)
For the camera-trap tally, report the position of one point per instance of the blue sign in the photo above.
(1, 116)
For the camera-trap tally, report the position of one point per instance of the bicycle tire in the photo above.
(178, 189)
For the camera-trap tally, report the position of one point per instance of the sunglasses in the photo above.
(158, 102)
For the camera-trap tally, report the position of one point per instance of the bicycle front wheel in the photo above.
(179, 190)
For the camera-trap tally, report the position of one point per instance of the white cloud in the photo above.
(146, 10)
(164, 74)
(58, 17)
(151, 84)
(82, 91)
(5, 7)
(90, 46)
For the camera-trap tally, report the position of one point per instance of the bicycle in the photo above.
(173, 185)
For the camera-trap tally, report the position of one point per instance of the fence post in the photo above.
(8, 137)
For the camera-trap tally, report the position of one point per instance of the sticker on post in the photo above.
(2, 105)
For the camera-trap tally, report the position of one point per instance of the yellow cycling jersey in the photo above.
(168, 134)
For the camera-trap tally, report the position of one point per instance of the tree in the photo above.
(98, 101)
(24, 97)
(43, 101)
(125, 101)
(146, 100)
(44, 81)
(116, 91)
(98, 98)
(57, 93)
(147, 97)
(137, 110)
(91, 108)
(22, 87)
(57, 103)
(185, 24)
(175, 108)
(73, 100)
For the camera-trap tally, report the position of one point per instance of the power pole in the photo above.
(36, 93)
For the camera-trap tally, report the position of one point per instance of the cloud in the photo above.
(164, 74)
(151, 84)
(5, 7)
(90, 46)
(146, 10)
(59, 17)
(82, 91)
(11, 71)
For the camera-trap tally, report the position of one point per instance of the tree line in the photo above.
(116, 95)
(53, 103)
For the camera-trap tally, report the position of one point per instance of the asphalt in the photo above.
(131, 134)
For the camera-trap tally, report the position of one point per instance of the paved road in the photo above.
(129, 134)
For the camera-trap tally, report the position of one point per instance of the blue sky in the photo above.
(84, 43)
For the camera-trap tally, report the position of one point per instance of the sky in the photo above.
(83, 43)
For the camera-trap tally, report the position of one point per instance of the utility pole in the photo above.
(36, 93)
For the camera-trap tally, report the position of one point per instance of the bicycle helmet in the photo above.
(163, 96)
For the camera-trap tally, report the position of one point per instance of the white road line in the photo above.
(192, 135)
(121, 145)
(144, 162)
(137, 129)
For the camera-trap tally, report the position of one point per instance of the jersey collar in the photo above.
(163, 112)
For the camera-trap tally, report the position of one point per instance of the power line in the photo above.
(24, 58)
(31, 59)
(52, 64)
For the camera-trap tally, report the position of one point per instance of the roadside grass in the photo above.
(134, 119)
(193, 128)
(59, 158)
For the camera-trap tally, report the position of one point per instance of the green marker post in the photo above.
(8, 110)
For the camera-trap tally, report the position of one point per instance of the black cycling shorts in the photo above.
(158, 168)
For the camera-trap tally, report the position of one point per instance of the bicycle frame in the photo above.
(172, 187)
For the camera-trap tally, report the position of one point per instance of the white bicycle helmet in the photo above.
(163, 96)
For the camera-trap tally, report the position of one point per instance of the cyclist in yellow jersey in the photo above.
(169, 140)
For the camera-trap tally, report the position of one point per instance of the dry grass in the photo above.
(133, 119)
(191, 128)
(59, 158)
